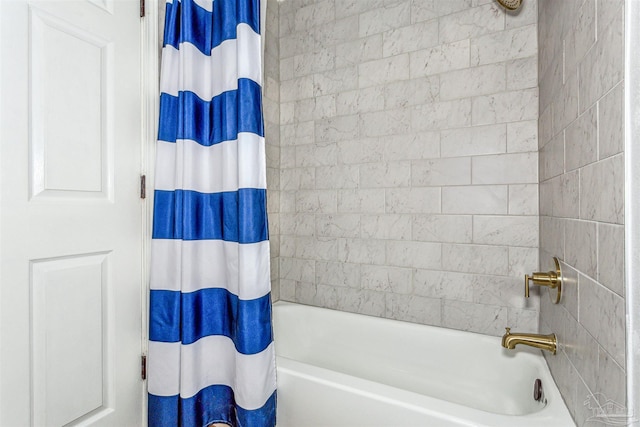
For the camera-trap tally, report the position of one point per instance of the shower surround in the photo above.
(408, 159)
(582, 196)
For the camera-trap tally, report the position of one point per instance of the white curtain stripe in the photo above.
(244, 373)
(237, 55)
(199, 268)
(226, 166)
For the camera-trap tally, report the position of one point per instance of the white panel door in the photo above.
(70, 213)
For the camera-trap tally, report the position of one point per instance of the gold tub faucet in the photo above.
(543, 342)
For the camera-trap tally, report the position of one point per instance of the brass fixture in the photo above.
(543, 342)
(550, 279)
(510, 4)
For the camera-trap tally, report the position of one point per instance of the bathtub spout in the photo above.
(543, 342)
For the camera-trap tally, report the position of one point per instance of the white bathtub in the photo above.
(342, 369)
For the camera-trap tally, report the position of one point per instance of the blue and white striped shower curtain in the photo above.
(211, 355)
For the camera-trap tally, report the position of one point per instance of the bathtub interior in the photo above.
(460, 367)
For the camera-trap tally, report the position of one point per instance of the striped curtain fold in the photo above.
(211, 355)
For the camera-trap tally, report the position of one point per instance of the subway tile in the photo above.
(297, 269)
(337, 177)
(611, 123)
(339, 128)
(358, 51)
(602, 190)
(354, 152)
(602, 313)
(581, 140)
(475, 199)
(522, 137)
(337, 225)
(333, 33)
(381, 71)
(441, 172)
(384, 18)
(318, 201)
(410, 38)
(313, 15)
(298, 224)
(603, 66)
(526, 15)
(570, 287)
(582, 350)
(443, 284)
(297, 88)
(473, 141)
(518, 168)
(484, 319)
(522, 261)
(355, 7)
(337, 274)
(385, 175)
(319, 154)
(335, 81)
(386, 227)
(482, 80)
(522, 73)
(309, 63)
(565, 104)
(504, 45)
(297, 179)
(363, 251)
(413, 200)
(361, 201)
(514, 106)
(439, 59)
(412, 308)
(360, 301)
(392, 280)
(480, 259)
(412, 146)
(581, 36)
(360, 101)
(316, 248)
(317, 108)
(441, 115)
(506, 230)
(471, 23)
(611, 380)
(523, 199)
(611, 257)
(552, 158)
(442, 228)
(552, 236)
(412, 92)
(424, 255)
(498, 290)
(581, 246)
(425, 10)
(387, 122)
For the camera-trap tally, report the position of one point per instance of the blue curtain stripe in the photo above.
(187, 22)
(211, 404)
(234, 216)
(187, 317)
(212, 122)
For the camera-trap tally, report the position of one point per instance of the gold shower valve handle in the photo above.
(550, 279)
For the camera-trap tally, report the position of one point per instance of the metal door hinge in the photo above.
(143, 186)
(143, 367)
(141, 8)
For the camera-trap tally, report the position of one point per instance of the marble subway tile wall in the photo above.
(581, 138)
(408, 159)
(271, 105)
